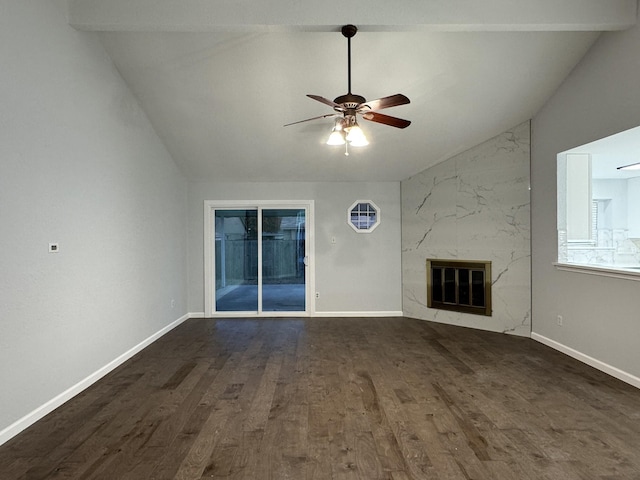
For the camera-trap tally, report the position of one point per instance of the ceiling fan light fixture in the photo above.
(336, 138)
(337, 133)
(359, 143)
(356, 137)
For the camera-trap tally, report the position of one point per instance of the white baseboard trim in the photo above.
(29, 419)
(314, 314)
(358, 314)
(595, 363)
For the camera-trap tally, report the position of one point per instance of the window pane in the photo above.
(358, 221)
(236, 251)
(283, 252)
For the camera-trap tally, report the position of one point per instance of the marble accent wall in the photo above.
(474, 206)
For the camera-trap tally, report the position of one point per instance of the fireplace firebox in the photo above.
(459, 285)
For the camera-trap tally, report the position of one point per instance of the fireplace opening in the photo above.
(459, 285)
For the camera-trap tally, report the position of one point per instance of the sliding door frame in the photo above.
(210, 206)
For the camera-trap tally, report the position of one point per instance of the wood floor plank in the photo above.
(338, 399)
(171, 457)
(197, 459)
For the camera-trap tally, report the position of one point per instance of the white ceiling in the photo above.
(219, 79)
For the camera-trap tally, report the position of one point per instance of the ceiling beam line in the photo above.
(368, 15)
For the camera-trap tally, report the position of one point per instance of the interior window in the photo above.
(598, 202)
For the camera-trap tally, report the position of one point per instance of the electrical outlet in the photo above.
(560, 320)
(173, 303)
(317, 294)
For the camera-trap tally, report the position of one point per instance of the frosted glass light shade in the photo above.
(335, 138)
(356, 137)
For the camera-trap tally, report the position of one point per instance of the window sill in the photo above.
(631, 273)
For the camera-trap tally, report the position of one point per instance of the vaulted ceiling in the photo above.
(219, 78)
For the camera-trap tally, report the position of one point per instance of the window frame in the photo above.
(370, 227)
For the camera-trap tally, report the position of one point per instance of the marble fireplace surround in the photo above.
(473, 205)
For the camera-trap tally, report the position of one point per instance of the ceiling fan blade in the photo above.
(326, 101)
(386, 102)
(314, 118)
(386, 119)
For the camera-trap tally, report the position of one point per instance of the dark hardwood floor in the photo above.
(366, 399)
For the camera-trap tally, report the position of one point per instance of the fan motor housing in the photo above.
(350, 100)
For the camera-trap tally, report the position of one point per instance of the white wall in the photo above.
(474, 206)
(615, 190)
(633, 199)
(360, 273)
(79, 165)
(600, 315)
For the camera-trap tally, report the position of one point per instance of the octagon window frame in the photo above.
(359, 216)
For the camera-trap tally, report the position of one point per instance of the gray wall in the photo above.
(79, 165)
(600, 315)
(360, 273)
(474, 206)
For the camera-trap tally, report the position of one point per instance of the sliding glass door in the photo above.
(260, 257)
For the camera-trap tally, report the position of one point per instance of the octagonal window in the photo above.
(363, 216)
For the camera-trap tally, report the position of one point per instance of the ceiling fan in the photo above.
(347, 107)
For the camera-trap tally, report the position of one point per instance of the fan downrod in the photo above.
(349, 31)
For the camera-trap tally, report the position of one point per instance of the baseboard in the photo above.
(315, 314)
(29, 419)
(359, 314)
(595, 363)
